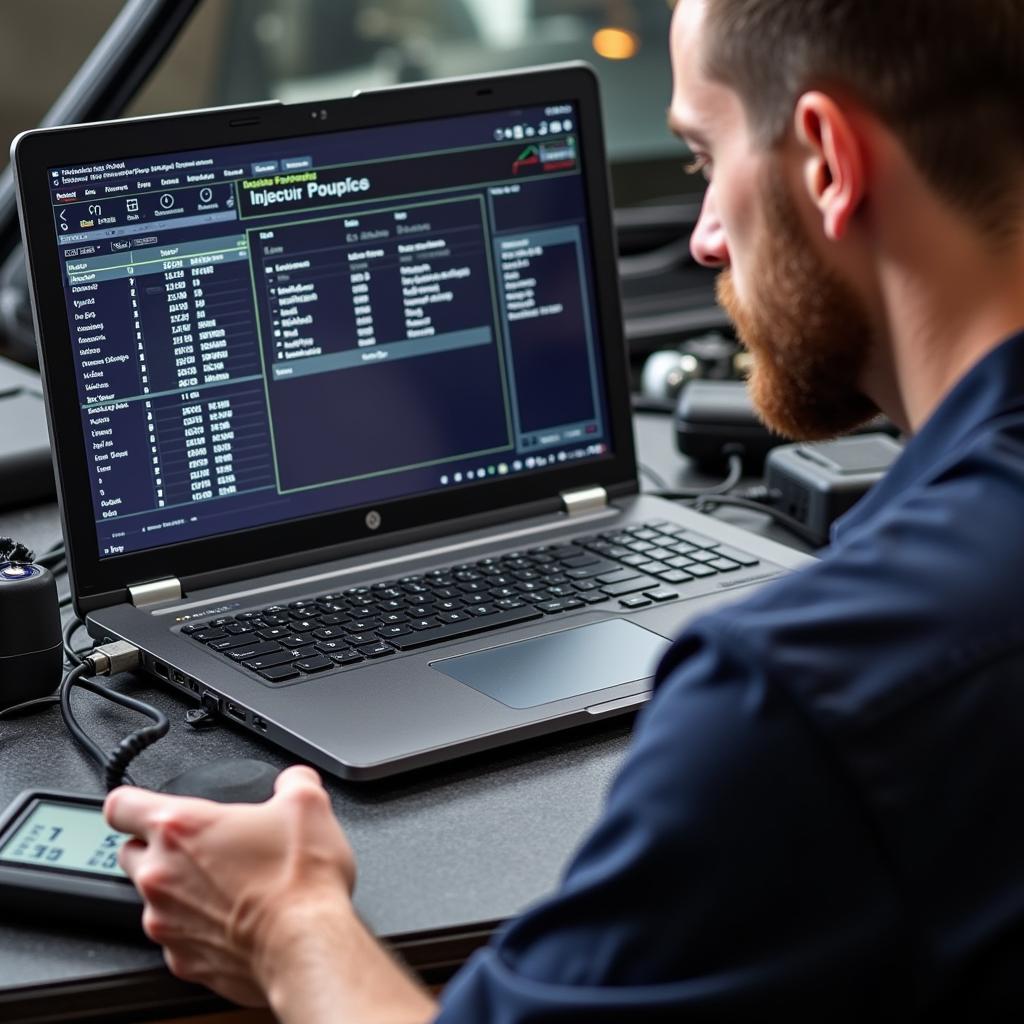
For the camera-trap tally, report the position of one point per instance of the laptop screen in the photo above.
(266, 332)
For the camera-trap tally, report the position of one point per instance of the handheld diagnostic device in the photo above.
(58, 860)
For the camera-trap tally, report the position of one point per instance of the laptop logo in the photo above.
(373, 520)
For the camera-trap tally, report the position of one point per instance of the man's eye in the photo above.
(700, 164)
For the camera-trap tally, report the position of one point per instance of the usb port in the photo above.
(234, 710)
(259, 723)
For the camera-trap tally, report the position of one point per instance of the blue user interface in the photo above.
(271, 331)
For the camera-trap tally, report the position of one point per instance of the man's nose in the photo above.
(707, 243)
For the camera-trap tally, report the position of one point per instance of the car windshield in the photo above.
(242, 51)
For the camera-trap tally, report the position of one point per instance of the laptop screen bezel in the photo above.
(35, 152)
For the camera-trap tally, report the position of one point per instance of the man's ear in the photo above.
(832, 155)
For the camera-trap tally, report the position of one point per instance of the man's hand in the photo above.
(223, 882)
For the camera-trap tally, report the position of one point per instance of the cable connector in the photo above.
(109, 659)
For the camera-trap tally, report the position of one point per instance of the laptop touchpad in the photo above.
(559, 665)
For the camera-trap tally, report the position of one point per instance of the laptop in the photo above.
(338, 399)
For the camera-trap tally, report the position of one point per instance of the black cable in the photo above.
(115, 763)
(709, 502)
(29, 705)
(732, 479)
(656, 478)
(72, 656)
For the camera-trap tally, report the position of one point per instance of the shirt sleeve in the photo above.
(733, 875)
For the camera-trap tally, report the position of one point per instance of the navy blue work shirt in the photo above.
(820, 814)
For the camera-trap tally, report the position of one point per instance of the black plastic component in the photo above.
(715, 418)
(26, 468)
(817, 483)
(31, 650)
(243, 781)
(48, 892)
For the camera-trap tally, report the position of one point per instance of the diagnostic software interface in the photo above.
(271, 331)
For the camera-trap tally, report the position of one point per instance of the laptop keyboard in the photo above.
(629, 568)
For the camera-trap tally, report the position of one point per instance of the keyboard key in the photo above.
(230, 642)
(280, 674)
(273, 632)
(347, 657)
(630, 586)
(270, 661)
(619, 576)
(251, 651)
(377, 650)
(315, 664)
(564, 604)
(699, 570)
(635, 602)
(329, 633)
(387, 632)
(420, 624)
(363, 624)
(661, 595)
(724, 565)
(194, 627)
(595, 569)
(206, 635)
(653, 567)
(675, 576)
(358, 639)
(294, 640)
(698, 538)
(331, 647)
(738, 556)
(453, 630)
(703, 556)
(632, 559)
(580, 561)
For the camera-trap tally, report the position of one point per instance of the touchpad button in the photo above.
(559, 665)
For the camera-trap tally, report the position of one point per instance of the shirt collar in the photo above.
(993, 386)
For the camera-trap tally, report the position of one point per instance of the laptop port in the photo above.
(259, 723)
(160, 669)
(178, 677)
(234, 710)
(211, 701)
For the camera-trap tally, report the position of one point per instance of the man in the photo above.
(820, 813)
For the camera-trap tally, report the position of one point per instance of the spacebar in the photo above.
(455, 629)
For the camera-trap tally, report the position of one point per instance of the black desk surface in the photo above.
(444, 853)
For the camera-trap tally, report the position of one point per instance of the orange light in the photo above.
(615, 43)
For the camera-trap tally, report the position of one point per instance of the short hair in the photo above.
(946, 76)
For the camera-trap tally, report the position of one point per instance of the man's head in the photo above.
(782, 102)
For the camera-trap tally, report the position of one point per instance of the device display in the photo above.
(58, 861)
(61, 836)
(269, 331)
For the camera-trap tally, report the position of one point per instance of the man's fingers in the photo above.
(299, 776)
(130, 809)
(139, 811)
(131, 853)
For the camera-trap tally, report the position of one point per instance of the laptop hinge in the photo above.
(156, 592)
(587, 499)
